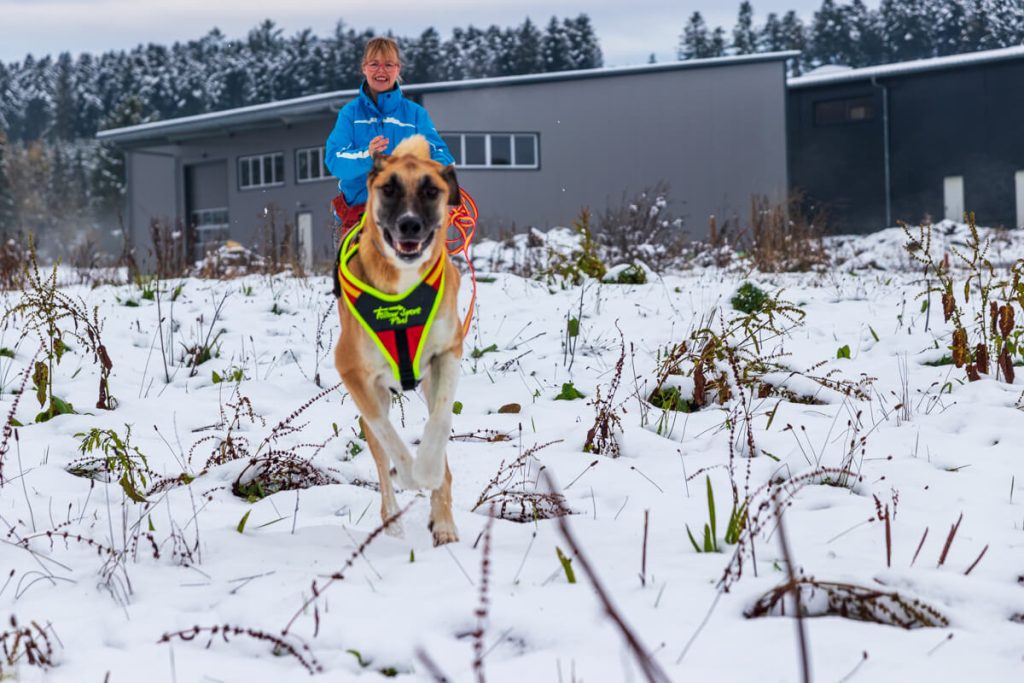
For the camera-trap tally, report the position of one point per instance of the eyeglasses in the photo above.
(388, 66)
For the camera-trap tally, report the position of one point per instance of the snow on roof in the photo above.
(951, 62)
(324, 102)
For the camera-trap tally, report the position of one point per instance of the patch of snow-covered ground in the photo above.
(934, 450)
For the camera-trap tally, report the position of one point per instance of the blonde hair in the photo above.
(382, 47)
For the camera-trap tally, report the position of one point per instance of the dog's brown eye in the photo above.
(430, 192)
(388, 190)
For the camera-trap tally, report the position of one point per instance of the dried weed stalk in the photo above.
(601, 438)
(301, 652)
(861, 603)
(510, 495)
(25, 644)
(988, 312)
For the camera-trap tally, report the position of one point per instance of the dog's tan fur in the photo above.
(367, 375)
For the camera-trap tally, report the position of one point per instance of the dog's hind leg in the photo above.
(388, 502)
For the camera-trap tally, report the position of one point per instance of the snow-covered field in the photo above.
(106, 577)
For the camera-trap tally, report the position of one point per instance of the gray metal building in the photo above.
(532, 150)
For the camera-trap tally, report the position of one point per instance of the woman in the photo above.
(375, 122)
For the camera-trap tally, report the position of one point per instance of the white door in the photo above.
(305, 223)
(953, 197)
(1018, 183)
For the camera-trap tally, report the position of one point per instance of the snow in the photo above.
(933, 448)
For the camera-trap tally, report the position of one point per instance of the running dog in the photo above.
(400, 323)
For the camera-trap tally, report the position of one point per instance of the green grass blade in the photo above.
(692, 539)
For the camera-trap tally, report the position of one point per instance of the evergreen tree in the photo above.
(301, 69)
(1007, 22)
(831, 32)
(771, 38)
(794, 37)
(950, 27)
(453, 64)
(744, 38)
(88, 96)
(157, 81)
(526, 55)
(906, 30)
(422, 58)
(265, 53)
(554, 48)
(584, 50)
(65, 107)
(717, 47)
(866, 34)
(36, 86)
(474, 53)
(235, 76)
(8, 100)
(694, 43)
(8, 214)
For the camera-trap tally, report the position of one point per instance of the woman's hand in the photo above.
(378, 145)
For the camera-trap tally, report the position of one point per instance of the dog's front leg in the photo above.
(373, 402)
(429, 467)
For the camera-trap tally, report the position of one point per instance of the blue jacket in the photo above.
(359, 121)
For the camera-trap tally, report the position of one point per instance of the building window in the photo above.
(212, 229)
(833, 112)
(309, 165)
(262, 170)
(494, 150)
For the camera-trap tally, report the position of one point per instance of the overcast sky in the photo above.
(629, 30)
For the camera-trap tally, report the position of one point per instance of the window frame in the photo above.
(848, 104)
(325, 174)
(488, 156)
(259, 160)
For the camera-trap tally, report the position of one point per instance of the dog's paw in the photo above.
(395, 529)
(444, 532)
(428, 472)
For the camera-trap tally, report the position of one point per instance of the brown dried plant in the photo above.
(601, 438)
(54, 316)
(25, 644)
(987, 311)
(510, 495)
(849, 601)
(783, 238)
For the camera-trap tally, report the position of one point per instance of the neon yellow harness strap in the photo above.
(397, 323)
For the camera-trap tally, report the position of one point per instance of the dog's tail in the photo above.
(415, 145)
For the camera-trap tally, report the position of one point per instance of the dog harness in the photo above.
(397, 323)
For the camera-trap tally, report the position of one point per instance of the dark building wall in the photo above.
(966, 121)
(838, 166)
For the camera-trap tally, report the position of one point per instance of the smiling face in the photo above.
(409, 195)
(381, 68)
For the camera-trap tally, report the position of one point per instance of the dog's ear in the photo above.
(378, 166)
(454, 196)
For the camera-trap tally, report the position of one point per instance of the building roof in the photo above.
(288, 111)
(831, 77)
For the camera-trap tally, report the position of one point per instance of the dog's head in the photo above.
(409, 196)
